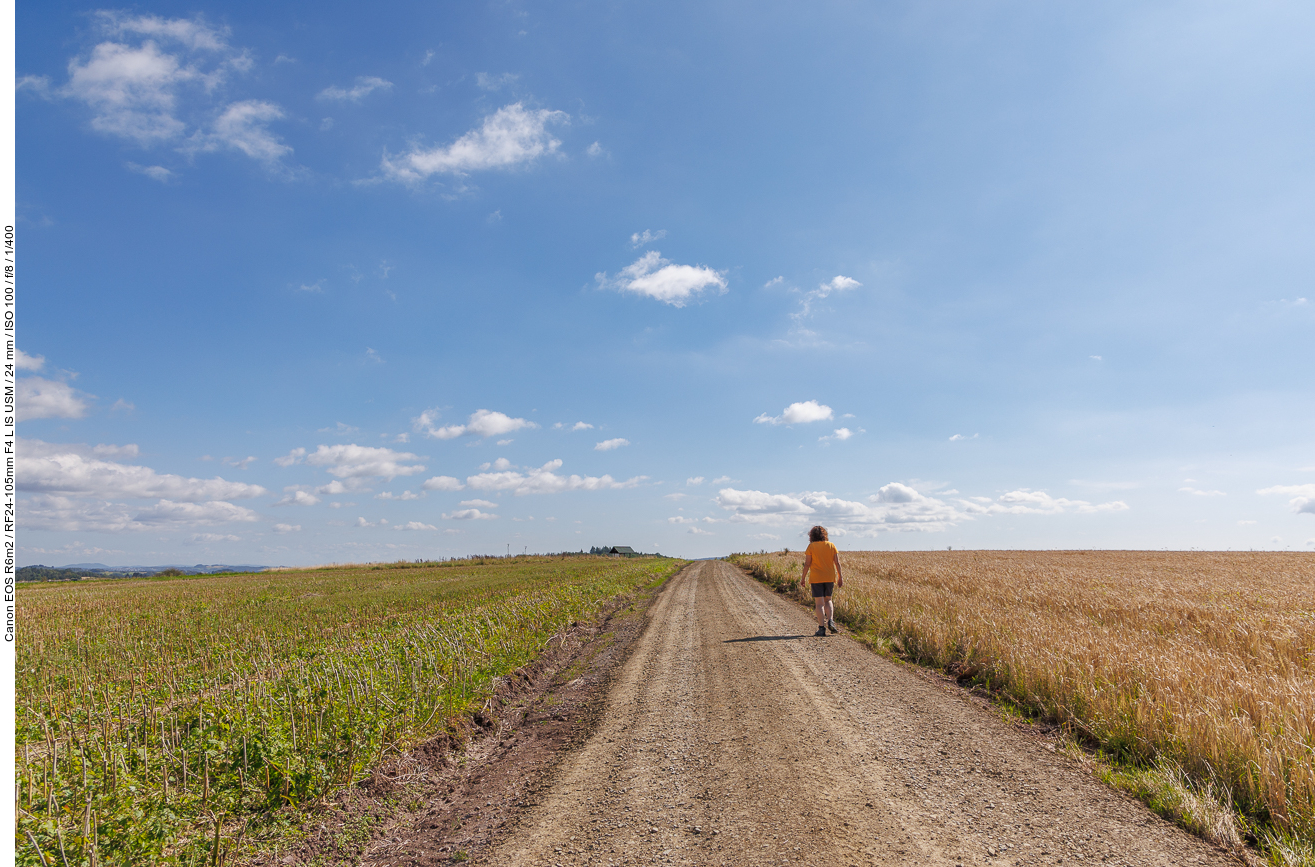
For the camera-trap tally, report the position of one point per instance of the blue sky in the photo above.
(310, 283)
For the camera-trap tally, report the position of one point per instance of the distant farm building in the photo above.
(623, 551)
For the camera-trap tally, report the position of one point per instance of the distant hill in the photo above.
(75, 571)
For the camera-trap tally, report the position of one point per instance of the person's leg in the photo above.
(819, 605)
(828, 609)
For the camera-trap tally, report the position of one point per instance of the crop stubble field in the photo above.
(164, 721)
(1193, 672)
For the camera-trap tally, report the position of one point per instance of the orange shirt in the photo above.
(823, 567)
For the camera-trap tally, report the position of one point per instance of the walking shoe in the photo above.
(821, 632)
(831, 624)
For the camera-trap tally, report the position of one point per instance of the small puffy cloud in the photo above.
(1302, 496)
(340, 429)
(609, 445)
(442, 483)
(510, 137)
(240, 463)
(1199, 493)
(293, 457)
(694, 481)
(542, 480)
(39, 397)
(839, 283)
(841, 434)
(481, 504)
(405, 495)
(580, 425)
(122, 405)
(482, 423)
(594, 150)
(287, 528)
(23, 361)
(242, 126)
(654, 277)
(155, 173)
(721, 480)
(639, 239)
(297, 497)
(960, 437)
(205, 538)
(798, 413)
(469, 515)
(699, 531)
(365, 85)
(492, 83)
(382, 522)
(353, 461)
(414, 525)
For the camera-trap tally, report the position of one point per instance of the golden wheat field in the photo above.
(1202, 660)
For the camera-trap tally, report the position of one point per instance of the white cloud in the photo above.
(298, 497)
(361, 522)
(839, 283)
(340, 429)
(365, 85)
(721, 479)
(203, 538)
(414, 525)
(469, 515)
(766, 537)
(609, 445)
(243, 126)
(155, 173)
(1302, 496)
(442, 483)
(1025, 501)
(694, 481)
(699, 531)
(358, 462)
(841, 433)
(481, 504)
(580, 425)
(293, 457)
(542, 480)
(51, 468)
(639, 239)
(39, 397)
(240, 463)
(73, 514)
(194, 34)
(652, 276)
(594, 150)
(483, 423)
(28, 362)
(491, 83)
(798, 413)
(959, 437)
(509, 137)
(138, 90)
(287, 528)
(405, 495)
(1198, 493)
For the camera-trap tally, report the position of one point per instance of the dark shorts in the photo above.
(824, 588)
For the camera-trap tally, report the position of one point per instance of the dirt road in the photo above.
(734, 736)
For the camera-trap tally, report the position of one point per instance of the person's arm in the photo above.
(808, 562)
(840, 579)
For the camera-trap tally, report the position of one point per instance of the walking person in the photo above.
(822, 573)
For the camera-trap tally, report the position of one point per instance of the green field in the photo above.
(160, 721)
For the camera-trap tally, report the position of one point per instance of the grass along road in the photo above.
(174, 721)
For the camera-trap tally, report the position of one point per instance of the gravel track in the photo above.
(733, 736)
